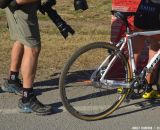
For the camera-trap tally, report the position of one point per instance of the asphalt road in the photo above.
(137, 115)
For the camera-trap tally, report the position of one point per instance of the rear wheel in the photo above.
(86, 97)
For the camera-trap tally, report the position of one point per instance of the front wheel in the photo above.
(82, 93)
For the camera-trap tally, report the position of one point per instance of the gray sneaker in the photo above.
(12, 86)
(35, 106)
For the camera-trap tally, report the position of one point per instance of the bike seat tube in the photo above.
(131, 55)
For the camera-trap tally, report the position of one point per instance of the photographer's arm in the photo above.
(22, 2)
(15, 3)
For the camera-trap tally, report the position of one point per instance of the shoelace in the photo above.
(18, 82)
(37, 102)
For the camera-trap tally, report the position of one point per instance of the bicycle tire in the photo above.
(67, 102)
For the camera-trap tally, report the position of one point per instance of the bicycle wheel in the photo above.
(87, 98)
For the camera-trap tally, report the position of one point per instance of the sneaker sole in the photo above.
(10, 91)
(33, 112)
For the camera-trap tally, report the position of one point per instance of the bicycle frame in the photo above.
(127, 40)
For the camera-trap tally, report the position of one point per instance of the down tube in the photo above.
(112, 82)
(154, 60)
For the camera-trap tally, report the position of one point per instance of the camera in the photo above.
(63, 27)
(80, 4)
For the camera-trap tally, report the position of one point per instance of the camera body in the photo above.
(80, 4)
(63, 27)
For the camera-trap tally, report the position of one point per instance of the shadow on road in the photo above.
(140, 106)
(52, 84)
(47, 85)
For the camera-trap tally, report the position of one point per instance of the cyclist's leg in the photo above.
(138, 45)
(158, 78)
(153, 48)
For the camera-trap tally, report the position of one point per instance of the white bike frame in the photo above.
(127, 40)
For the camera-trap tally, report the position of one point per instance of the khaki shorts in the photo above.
(23, 25)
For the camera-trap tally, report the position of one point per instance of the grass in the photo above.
(90, 26)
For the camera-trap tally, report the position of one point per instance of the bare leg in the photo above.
(138, 45)
(16, 56)
(154, 47)
(13, 84)
(29, 65)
